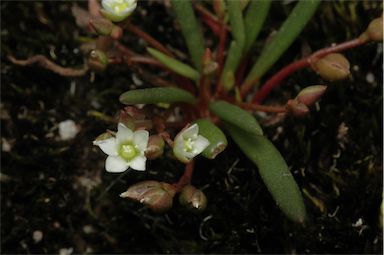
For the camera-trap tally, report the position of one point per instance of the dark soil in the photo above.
(61, 189)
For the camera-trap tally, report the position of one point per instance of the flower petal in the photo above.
(115, 164)
(138, 163)
(108, 146)
(123, 133)
(140, 139)
(200, 144)
(191, 131)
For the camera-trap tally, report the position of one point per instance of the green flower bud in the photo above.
(332, 67)
(155, 147)
(97, 61)
(158, 196)
(311, 94)
(296, 108)
(193, 198)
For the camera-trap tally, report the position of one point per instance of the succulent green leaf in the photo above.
(190, 29)
(156, 95)
(174, 65)
(254, 19)
(287, 33)
(216, 137)
(236, 116)
(237, 45)
(273, 170)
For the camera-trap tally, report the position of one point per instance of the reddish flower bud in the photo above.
(374, 31)
(296, 108)
(208, 64)
(193, 198)
(311, 94)
(155, 147)
(97, 61)
(101, 26)
(332, 67)
(158, 196)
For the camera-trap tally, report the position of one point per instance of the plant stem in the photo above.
(149, 39)
(186, 177)
(263, 108)
(276, 79)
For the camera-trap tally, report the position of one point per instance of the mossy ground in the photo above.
(61, 188)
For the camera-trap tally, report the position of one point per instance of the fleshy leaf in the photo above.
(236, 116)
(156, 95)
(287, 33)
(273, 170)
(175, 65)
(216, 137)
(190, 29)
(254, 20)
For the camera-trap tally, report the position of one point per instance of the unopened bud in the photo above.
(219, 7)
(136, 113)
(311, 94)
(332, 67)
(193, 198)
(103, 136)
(155, 147)
(127, 120)
(101, 26)
(158, 196)
(97, 61)
(296, 108)
(208, 64)
(374, 31)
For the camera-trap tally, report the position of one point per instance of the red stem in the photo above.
(276, 79)
(186, 177)
(149, 39)
(220, 56)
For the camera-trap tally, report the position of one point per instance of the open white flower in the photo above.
(118, 10)
(125, 150)
(188, 144)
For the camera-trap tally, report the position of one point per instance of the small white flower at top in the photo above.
(125, 150)
(118, 10)
(188, 143)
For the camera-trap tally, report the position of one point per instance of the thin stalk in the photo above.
(277, 78)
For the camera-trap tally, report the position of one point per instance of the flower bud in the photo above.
(193, 198)
(208, 64)
(374, 31)
(296, 108)
(158, 196)
(101, 26)
(311, 94)
(155, 147)
(127, 120)
(332, 67)
(97, 61)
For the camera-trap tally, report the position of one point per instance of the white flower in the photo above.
(125, 150)
(68, 130)
(118, 10)
(188, 144)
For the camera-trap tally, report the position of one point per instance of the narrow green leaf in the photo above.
(236, 116)
(216, 137)
(156, 95)
(273, 170)
(190, 29)
(254, 19)
(237, 45)
(175, 65)
(287, 33)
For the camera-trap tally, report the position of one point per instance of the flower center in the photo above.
(189, 144)
(119, 6)
(128, 151)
